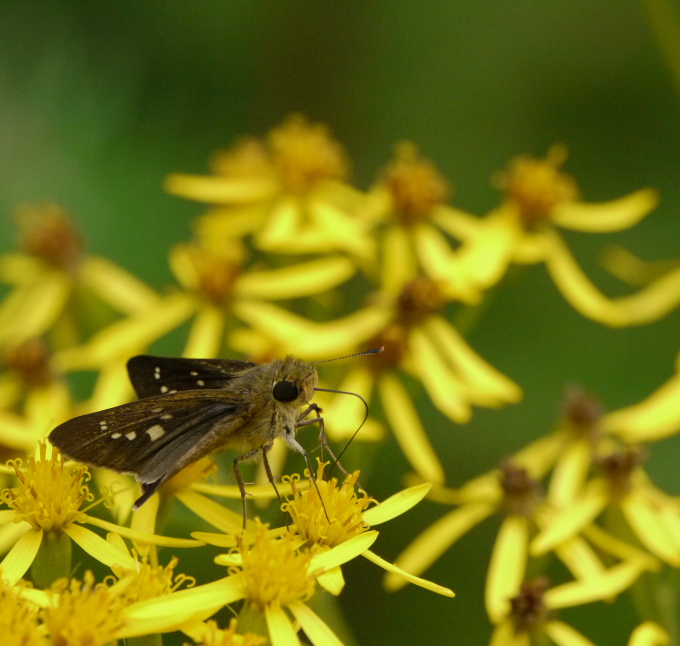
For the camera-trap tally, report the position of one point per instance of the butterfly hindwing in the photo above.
(152, 376)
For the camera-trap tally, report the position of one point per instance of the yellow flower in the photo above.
(622, 484)
(407, 200)
(523, 229)
(19, 618)
(47, 503)
(340, 515)
(33, 396)
(270, 576)
(532, 610)
(289, 191)
(46, 272)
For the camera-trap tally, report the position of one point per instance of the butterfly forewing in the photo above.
(151, 376)
(154, 437)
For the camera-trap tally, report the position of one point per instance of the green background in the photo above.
(100, 100)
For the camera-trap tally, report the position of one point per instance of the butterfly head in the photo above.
(294, 382)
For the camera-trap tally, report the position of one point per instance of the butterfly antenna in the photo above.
(345, 392)
(349, 356)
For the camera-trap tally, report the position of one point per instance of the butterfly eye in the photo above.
(285, 391)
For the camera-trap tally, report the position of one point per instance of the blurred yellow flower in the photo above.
(523, 229)
(48, 272)
(289, 191)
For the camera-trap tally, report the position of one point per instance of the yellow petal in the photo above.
(484, 258)
(436, 539)
(281, 631)
(98, 548)
(211, 512)
(616, 215)
(206, 335)
(580, 558)
(112, 387)
(313, 340)
(577, 289)
(396, 504)
(505, 635)
(13, 432)
(220, 190)
(129, 335)
(302, 279)
(408, 430)
(48, 406)
(598, 588)
(644, 518)
(154, 539)
(332, 580)
(487, 383)
(21, 556)
(316, 630)
(570, 521)
(539, 456)
(116, 286)
(649, 634)
(19, 268)
(507, 567)
(459, 224)
(398, 261)
(178, 607)
(444, 386)
(564, 635)
(410, 578)
(32, 310)
(284, 222)
(620, 549)
(570, 472)
(655, 418)
(342, 553)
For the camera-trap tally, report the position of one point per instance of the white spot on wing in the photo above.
(164, 389)
(131, 435)
(115, 436)
(166, 416)
(157, 410)
(157, 372)
(201, 383)
(194, 374)
(155, 432)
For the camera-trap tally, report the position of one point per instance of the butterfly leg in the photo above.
(265, 449)
(248, 455)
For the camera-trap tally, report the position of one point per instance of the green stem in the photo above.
(251, 620)
(145, 640)
(53, 560)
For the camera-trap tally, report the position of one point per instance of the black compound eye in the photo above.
(285, 391)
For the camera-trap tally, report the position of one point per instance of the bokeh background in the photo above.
(99, 101)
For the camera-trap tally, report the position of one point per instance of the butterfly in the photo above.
(190, 408)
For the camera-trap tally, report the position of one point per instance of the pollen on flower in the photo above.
(49, 494)
(209, 271)
(415, 185)
(528, 609)
(522, 493)
(48, 232)
(341, 503)
(582, 414)
(149, 582)
(419, 298)
(247, 159)
(274, 573)
(18, 617)
(86, 613)
(213, 636)
(537, 186)
(618, 468)
(31, 360)
(305, 154)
